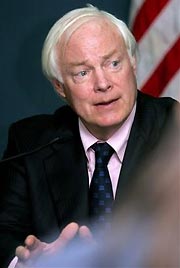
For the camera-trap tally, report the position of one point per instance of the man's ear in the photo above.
(59, 88)
(133, 62)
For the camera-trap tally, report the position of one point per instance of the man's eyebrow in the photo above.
(110, 54)
(74, 64)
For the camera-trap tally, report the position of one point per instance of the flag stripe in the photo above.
(149, 10)
(134, 9)
(173, 87)
(166, 70)
(156, 26)
(157, 41)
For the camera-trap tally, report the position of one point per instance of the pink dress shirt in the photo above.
(118, 142)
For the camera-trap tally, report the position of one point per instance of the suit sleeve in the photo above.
(14, 203)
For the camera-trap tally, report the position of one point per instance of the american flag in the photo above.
(156, 27)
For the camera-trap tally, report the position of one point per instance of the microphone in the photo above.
(57, 139)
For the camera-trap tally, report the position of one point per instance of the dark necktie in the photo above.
(100, 194)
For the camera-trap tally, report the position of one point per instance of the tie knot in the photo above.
(103, 152)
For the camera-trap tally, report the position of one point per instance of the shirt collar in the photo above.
(118, 141)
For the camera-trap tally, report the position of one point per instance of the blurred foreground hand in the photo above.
(35, 249)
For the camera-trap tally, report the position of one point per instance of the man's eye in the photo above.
(115, 63)
(82, 73)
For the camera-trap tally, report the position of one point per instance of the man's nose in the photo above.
(101, 81)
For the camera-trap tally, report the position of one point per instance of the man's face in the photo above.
(99, 79)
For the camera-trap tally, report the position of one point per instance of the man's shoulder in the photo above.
(155, 106)
(153, 114)
(43, 121)
(40, 129)
(160, 101)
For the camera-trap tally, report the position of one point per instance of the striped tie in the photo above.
(100, 194)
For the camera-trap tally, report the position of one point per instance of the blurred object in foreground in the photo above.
(147, 225)
(146, 228)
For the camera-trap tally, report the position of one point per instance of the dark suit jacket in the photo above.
(45, 190)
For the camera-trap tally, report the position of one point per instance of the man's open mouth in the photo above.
(106, 103)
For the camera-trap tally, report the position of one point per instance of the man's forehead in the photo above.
(78, 62)
(75, 49)
(85, 26)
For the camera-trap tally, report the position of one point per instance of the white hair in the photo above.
(67, 25)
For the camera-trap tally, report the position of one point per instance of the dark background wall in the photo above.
(24, 24)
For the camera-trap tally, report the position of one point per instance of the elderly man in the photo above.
(50, 194)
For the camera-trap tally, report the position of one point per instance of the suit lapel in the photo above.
(66, 169)
(67, 176)
(138, 145)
